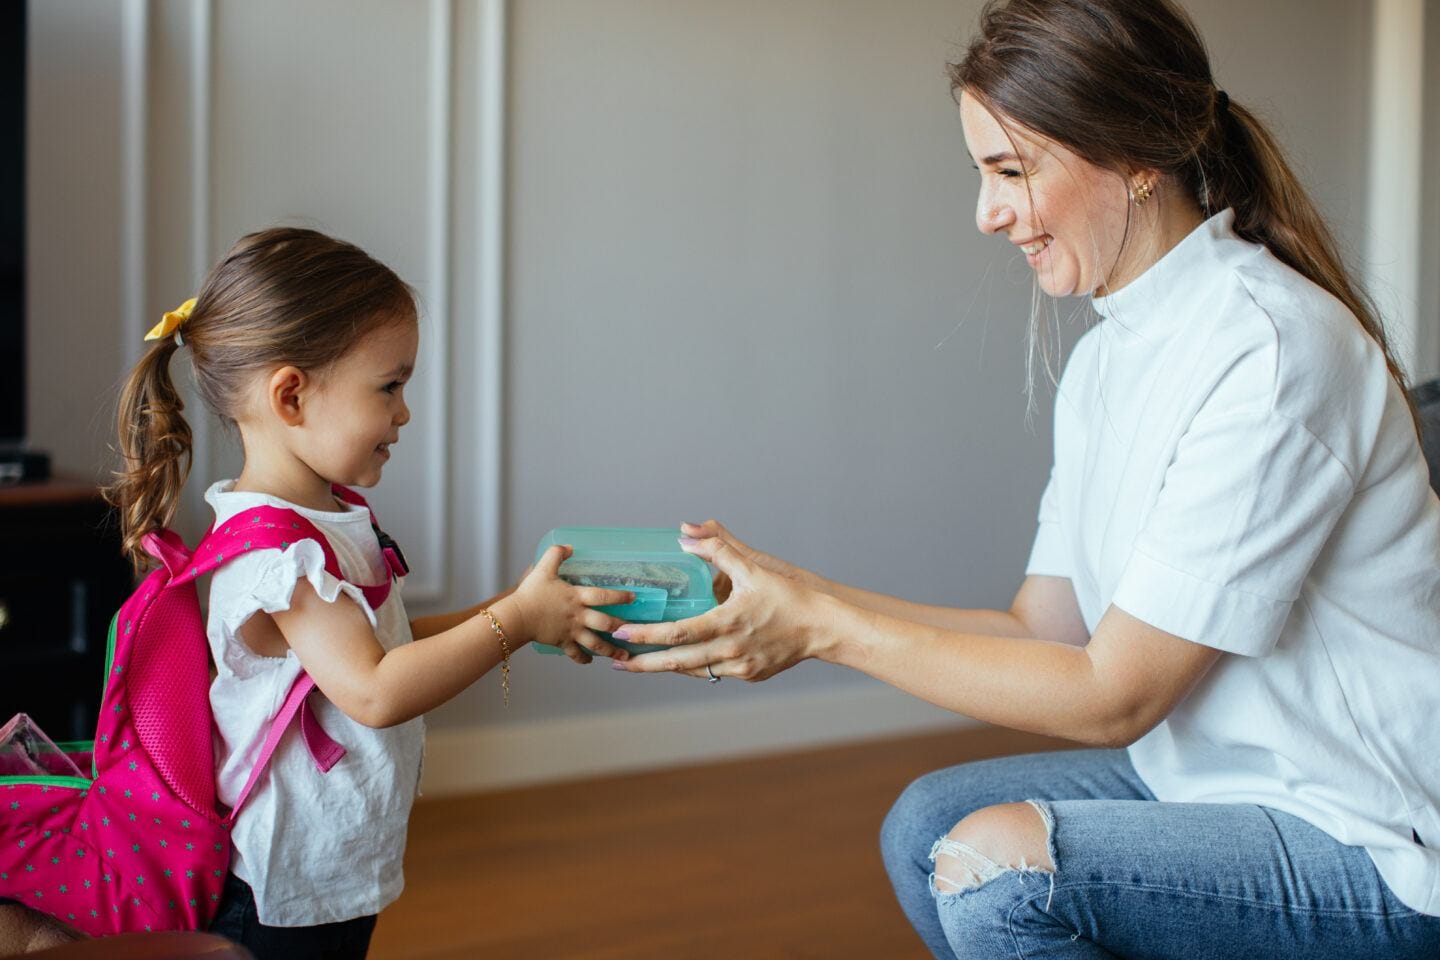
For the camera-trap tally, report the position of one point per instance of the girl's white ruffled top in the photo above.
(315, 848)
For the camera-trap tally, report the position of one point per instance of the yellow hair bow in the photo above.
(171, 321)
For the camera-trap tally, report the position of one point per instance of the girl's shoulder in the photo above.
(271, 574)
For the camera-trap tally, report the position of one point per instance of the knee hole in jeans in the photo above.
(991, 842)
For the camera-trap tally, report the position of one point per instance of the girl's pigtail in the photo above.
(155, 451)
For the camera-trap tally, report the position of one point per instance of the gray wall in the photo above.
(741, 233)
(743, 275)
(1429, 341)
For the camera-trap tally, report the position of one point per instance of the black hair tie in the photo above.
(1222, 102)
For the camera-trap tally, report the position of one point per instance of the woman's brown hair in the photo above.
(283, 296)
(1126, 85)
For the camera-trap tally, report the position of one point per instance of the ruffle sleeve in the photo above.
(263, 581)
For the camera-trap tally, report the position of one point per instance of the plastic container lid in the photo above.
(669, 584)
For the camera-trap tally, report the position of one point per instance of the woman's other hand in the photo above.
(767, 622)
(713, 529)
(559, 614)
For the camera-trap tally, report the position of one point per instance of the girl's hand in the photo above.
(558, 614)
(714, 530)
(767, 623)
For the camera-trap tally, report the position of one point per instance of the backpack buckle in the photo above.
(390, 550)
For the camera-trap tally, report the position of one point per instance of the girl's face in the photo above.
(358, 407)
(1067, 215)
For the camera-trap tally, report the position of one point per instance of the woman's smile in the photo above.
(1035, 249)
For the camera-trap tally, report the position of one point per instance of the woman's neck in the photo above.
(1156, 231)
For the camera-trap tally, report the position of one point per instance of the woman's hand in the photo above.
(713, 529)
(768, 622)
(558, 614)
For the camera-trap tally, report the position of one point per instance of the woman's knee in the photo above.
(1007, 837)
(919, 812)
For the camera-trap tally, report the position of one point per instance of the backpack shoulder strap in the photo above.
(259, 528)
(323, 750)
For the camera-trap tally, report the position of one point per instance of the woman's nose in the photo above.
(992, 216)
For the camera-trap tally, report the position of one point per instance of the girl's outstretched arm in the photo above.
(337, 646)
(422, 627)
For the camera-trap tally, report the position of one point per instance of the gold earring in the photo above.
(1141, 192)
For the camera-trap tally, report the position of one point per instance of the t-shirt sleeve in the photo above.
(1049, 557)
(1245, 508)
(264, 581)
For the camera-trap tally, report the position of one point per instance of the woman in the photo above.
(1237, 569)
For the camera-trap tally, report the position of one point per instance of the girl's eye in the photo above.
(394, 385)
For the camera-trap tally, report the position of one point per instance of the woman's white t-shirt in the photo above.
(1234, 465)
(315, 848)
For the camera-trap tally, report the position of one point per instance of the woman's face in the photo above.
(1066, 214)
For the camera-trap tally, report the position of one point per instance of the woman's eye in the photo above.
(1009, 174)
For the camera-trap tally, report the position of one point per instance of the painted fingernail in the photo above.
(622, 634)
(617, 665)
(688, 541)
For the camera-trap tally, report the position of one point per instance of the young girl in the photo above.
(305, 345)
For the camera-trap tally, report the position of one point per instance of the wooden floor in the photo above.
(755, 859)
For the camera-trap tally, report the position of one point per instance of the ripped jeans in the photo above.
(1135, 878)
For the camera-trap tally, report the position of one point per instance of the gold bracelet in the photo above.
(504, 653)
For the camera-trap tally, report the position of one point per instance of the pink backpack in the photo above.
(142, 844)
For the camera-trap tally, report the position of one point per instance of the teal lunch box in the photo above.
(668, 583)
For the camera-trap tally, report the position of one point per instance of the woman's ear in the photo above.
(1141, 182)
(286, 391)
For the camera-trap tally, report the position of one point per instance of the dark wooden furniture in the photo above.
(61, 580)
(148, 946)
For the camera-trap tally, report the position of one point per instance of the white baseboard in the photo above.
(474, 759)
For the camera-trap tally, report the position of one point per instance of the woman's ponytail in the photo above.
(1241, 166)
(155, 451)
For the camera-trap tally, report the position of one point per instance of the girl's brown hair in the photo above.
(283, 296)
(1126, 85)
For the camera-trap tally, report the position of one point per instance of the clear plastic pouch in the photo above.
(25, 751)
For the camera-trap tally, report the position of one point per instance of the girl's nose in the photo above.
(403, 416)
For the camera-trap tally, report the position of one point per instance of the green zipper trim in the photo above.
(47, 781)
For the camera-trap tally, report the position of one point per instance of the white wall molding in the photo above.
(473, 759)
(134, 124)
(201, 73)
(490, 244)
(432, 581)
(1395, 180)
